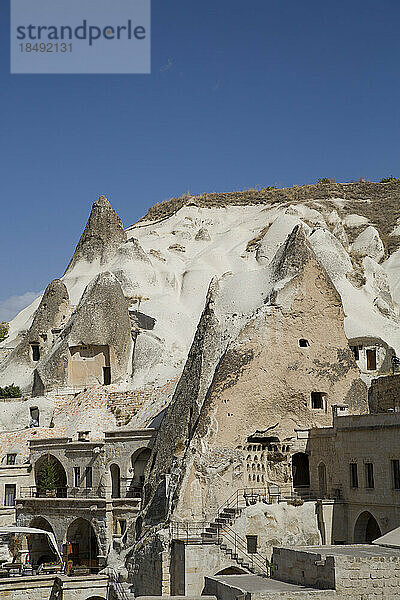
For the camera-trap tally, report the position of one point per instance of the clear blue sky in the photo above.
(242, 94)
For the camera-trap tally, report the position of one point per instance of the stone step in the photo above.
(209, 537)
(211, 529)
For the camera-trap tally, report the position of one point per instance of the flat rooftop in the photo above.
(360, 550)
(254, 583)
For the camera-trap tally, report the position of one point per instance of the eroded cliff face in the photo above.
(50, 317)
(165, 267)
(280, 369)
(102, 236)
(100, 322)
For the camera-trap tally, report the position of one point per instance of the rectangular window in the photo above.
(9, 495)
(251, 544)
(371, 359)
(317, 400)
(369, 476)
(35, 352)
(353, 475)
(11, 459)
(355, 351)
(77, 476)
(89, 477)
(396, 474)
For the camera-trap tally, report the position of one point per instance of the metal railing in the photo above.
(239, 547)
(188, 532)
(199, 532)
(244, 497)
(130, 492)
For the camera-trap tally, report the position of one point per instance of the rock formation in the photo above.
(49, 319)
(102, 235)
(99, 326)
(277, 369)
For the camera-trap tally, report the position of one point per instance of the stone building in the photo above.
(355, 472)
(94, 493)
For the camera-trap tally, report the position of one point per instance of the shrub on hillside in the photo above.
(327, 180)
(10, 391)
(3, 330)
(389, 179)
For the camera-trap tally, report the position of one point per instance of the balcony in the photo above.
(132, 493)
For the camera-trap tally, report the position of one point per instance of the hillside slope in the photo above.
(165, 263)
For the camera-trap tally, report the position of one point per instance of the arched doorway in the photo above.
(39, 548)
(322, 487)
(366, 529)
(231, 571)
(82, 548)
(139, 462)
(50, 477)
(300, 470)
(115, 481)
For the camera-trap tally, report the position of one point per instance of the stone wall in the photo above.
(50, 587)
(304, 568)
(125, 405)
(384, 394)
(364, 574)
(191, 563)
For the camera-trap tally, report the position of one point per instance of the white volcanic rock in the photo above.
(369, 243)
(333, 218)
(330, 253)
(340, 233)
(170, 287)
(354, 220)
(276, 236)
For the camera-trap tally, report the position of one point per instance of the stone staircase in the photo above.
(219, 532)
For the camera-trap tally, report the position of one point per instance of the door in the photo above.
(107, 375)
(371, 359)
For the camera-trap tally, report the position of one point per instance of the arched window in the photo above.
(139, 460)
(115, 481)
(50, 477)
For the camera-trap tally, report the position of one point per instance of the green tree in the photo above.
(3, 330)
(47, 477)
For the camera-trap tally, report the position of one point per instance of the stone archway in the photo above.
(39, 548)
(300, 470)
(50, 477)
(82, 547)
(366, 529)
(232, 571)
(139, 460)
